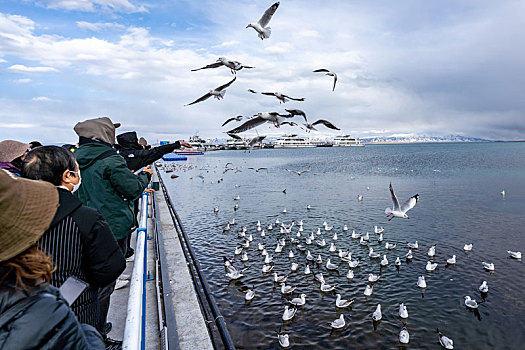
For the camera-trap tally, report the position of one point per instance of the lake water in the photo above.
(460, 202)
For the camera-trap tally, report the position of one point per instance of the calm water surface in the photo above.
(460, 202)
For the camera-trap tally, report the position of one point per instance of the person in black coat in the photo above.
(136, 156)
(78, 238)
(33, 314)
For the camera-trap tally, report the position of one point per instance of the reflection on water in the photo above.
(460, 202)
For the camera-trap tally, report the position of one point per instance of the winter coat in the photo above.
(108, 185)
(136, 157)
(82, 245)
(41, 319)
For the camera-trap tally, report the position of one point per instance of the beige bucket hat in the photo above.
(26, 210)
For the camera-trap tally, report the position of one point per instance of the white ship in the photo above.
(346, 141)
(293, 141)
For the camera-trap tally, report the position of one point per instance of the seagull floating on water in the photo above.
(390, 246)
(409, 254)
(289, 313)
(350, 274)
(404, 337)
(470, 303)
(377, 316)
(445, 342)
(384, 261)
(261, 25)
(286, 289)
(329, 73)
(467, 247)
(484, 288)
(331, 266)
(307, 270)
(514, 255)
(452, 260)
(338, 323)
(369, 290)
(250, 294)
(284, 339)
(218, 93)
(267, 268)
(488, 266)
(431, 251)
(400, 211)
(372, 254)
(421, 283)
(403, 312)
(341, 303)
(378, 230)
(299, 301)
(431, 266)
(413, 245)
(373, 277)
(326, 287)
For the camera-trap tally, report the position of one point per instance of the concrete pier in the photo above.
(191, 327)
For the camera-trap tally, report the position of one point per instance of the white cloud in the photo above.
(23, 81)
(43, 99)
(22, 68)
(122, 6)
(17, 125)
(99, 26)
(2, 60)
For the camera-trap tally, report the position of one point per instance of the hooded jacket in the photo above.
(41, 319)
(82, 245)
(108, 185)
(136, 157)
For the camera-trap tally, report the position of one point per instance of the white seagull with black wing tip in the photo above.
(400, 211)
(259, 119)
(320, 121)
(222, 61)
(218, 93)
(263, 31)
(237, 118)
(295, 112)
(328, 72)
(282, 97)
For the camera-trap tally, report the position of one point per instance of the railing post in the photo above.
(134, 332)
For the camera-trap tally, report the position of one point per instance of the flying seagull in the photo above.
(254, 141)
(330, 73)
(237, 118)
(218, 93)
(259, 119)
(260, 27)
(282, 97)
(320, 121)
(400, 211)
(222, 61)
(295, 112)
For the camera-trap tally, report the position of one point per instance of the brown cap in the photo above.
(26, 210)
(10, 150)
(101, 129)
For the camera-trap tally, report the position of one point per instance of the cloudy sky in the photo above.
(405, 67)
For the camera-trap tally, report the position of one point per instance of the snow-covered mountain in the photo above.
(420, 139)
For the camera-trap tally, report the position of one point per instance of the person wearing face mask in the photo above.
(79, 240)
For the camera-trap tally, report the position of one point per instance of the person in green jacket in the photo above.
(107, 185)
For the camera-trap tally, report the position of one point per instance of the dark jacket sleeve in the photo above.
(149, 156)
(104, 259)
(127, 184)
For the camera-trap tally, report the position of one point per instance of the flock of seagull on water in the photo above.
(301, 241)
(278, 119)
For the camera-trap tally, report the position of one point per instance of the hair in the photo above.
(48, 163)
(34, 144)
(28, 269)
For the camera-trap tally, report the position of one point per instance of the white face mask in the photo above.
(77, 186)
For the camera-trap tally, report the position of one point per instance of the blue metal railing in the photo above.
(135, 330)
